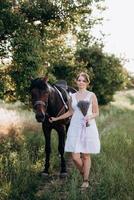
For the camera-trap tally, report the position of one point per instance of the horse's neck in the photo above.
(54, 104)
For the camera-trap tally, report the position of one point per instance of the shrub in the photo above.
(108, 75)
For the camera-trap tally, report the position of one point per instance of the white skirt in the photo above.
(82, 139)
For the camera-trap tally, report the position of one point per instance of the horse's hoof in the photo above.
(45, 174)
(63, 174)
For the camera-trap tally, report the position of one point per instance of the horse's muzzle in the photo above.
(40, 117)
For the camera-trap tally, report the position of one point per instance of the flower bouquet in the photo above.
(84, 106)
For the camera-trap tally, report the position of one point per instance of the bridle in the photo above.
(45, 104)
(40, 103)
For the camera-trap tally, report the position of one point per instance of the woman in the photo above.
(82, 140)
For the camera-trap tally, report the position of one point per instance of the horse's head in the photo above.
(39, 95)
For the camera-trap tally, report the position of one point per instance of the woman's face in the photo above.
(82, 83)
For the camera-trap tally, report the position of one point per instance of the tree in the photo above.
(25, 41)
(34, 32)
(107, 74)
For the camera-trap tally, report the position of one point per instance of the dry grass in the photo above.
(14, 116)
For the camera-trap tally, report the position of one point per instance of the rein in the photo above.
(64, 103)
(61, 97)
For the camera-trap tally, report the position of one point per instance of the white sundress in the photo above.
(82, 139)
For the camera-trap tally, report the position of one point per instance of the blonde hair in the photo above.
(85, 75)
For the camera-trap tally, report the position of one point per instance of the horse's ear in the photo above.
(45, 79)
(31, 78)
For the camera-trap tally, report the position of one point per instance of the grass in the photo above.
(22, 157)
(16, 116)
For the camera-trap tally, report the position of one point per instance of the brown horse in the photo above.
(51, 100)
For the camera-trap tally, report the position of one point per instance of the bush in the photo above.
(108, 75)
(18, 180)
(63, 70)
(130, 83)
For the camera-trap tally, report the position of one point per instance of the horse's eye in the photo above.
(33, 95)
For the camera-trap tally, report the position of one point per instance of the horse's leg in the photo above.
(47, 134)
(67, 126)
(61, 145)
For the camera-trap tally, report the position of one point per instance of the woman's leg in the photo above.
(78, 161)
(86, 165)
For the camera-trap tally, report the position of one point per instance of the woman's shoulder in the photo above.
(92, 96)
(90, 92)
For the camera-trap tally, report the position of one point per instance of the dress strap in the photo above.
(89, 97)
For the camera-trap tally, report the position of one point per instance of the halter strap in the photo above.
(39, 103)
(44, 104)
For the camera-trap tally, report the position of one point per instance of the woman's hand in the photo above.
(63, 116)
(87, 118)
(52, 119)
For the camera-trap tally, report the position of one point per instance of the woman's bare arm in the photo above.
(95, 107)
(65, 115)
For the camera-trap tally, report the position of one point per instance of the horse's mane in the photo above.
(38, 83)
(41, 84)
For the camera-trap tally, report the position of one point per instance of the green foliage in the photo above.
(1, 86)
(108, 75)
(42, 10)
(130, 83)
(7, 87)
(33, 34)
(26, 48)
(64, 70)
(27, 60)
(18, 178)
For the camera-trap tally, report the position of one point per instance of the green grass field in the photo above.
(22, 157)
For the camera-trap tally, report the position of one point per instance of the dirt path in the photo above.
(54, 182)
